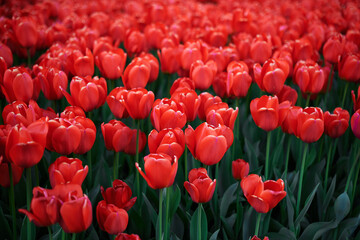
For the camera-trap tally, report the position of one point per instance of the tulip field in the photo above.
(179, 119)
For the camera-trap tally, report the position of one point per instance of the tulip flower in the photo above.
(348, 65)
(240, 169)
(256, 238)
(86, 92)
(119, 195)
(67, 171)
(116, 102)
(262, 196)
(25, 145)
(189, 100)
(271, 77)
(169, 59)
(80, 64)
(267, 113)
(336, 123)
(135, 42)
(6, 54)
(206, 100)
(260, 49)
(355, 123)
(203, 74)
(13, 83)
(167, 113)
(111, 63)
(160, 170)
(287, 93)
(289, 125)
(88, 134)
(72, 112)
(138, 102)
(62, 191)
(303, 50)
(26, 32)
(334, 47)
(44, 208)
(310, 124)
(76, 214)
(181, 83)
(154, 65)
(193, 52)
(169, 141)
(200, 187)
(208, 143)
(137, 73)
(356, 100)
(238, 80)
(218, 114)
(124, 236)
(111, 219)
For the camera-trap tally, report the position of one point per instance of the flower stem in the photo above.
(307, 100)
(28, 199)
(116, 165)
(73, 236)
(267, 155)
(287, 157)
(344, 96)
(137, 157)
(12, 202)
(50, 235)
(328, 161)
(257, 226)
(167, 220)
(351, 172)
(63, 235)
(301, 178)
(160, 214)
(199, 222)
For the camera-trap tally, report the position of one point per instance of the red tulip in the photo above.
(182, 83)
(86, 92)
(116, 102)
(88, 134)
(44, 208)
(111, 63)
(189, 100)
(51, 79)
(238, 80)
(169, 141)
(160, 170)
(310, 124)
(169, 59)
(256, 238)
(14, 80)
(348, 67)
(334, 47)
(208, 143)
(25, 145)
(206, 100)
(240, 169)
(260, 49)
(309, 76)
(219, 84)
(218, 114)
(203, 74)
(64, 191)
(6, 54)
(119, 195)
(336, 123)
(76, 214)
(138, 102)
(287, 93)
(193, 52)
(4, 133)
(303, 50)
(79, 64)
(267, 113)
(289, 125)
(137, 73)
(219, 57)
(135, 42)
(26, 32)
(67, 171)
(4, 173)
(72, 112)
(356, 100)
(271, 77)
(355, 123)
(124, 236)
(111, 219)
(262, 196)
(154, 65)
(167, 113)
(200, 187)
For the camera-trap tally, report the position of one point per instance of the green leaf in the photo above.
(290, 208)
(5, 225)
(348, 226)
(316, 230)
(227, 227)
(228, 198)
(307, 206)
(342, 206)
(214, 235)
(194, 224)
(252, 152)
(284, 233)
(174, 201)
(24, 233)
(329, 194)
(278, 152)
(152, 212)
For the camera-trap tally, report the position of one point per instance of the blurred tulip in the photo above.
(111, 63)
(67, 171)
(238, 79)
(167, 113)
(206, 100)
(137, 73)
(336, 123)
(256, 238)
(111, 219)
(217, 114)
(25, 145)
(334, 47)
(160, 170)
(87, 92)
(116, 102)
(6, 54)
(289, 125)
(125, 236)
(135, 42)
(182, 83)
(189, 100)
(262, 196)
(303, 50)
(79, 64)
(267, 113)
(272, 76)
(356, 100)
(119, 195)
(287, 93)
(154, 65)
(193, 52)
(44, 208)
(355, 123)
(208, 143)
(169, 59)
(26, 32)
(169, 141)
(138, 103)
(200, 187)
(219, 84)
(310, 124)
(14, 80)
(260, 49)
(348, 67)
(203, 74)
(240, 169)
(76, 214)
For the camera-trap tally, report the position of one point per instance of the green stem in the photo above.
(160, 214)
(328, 162)
(28, 199)
(199, 222)
(167, 220)
(287, 157)
(137, 157)
(301, 178)
(50, 235)
(267, 155)
(63, 235)
(12, 202)
(73, 236)
(308, 100)
(257, 226)
(351, 172)
(344, 96)
(116, 165)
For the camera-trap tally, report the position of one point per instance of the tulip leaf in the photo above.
(4, 223)
(174, 200)
(151, 210)
(307, 206)
(329, 194)
(289, 207)
(228, 198)
(342, 206)
(316, 230)
(227, 224)
(348, 226)
(214, 235)
(284, 233)
(252, 153)
(278, 152)
(194, 224)
(24, 233)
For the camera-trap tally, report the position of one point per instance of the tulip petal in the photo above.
(192, 190)
(211, 149)
(26, 155)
